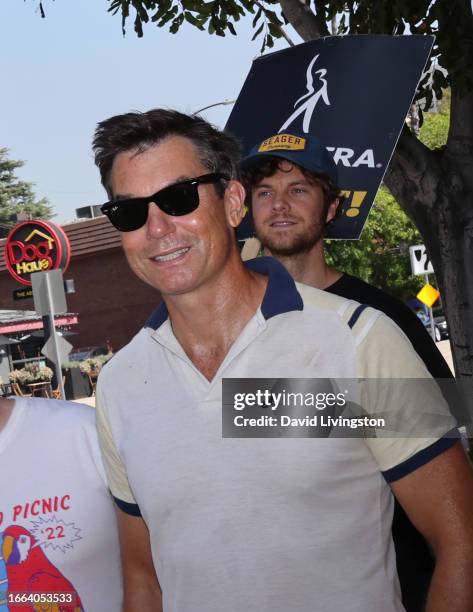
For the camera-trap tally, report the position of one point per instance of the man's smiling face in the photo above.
(174, 254)
(289, 213)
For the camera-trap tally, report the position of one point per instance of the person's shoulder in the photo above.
(63, 410)
(357, 289)
(62, 416)
(125, 357)
(317, 298)
(357, 319)
(342, 307)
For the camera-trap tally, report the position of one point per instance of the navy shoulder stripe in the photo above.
(356, 314)
(422, 457)
(128, 508)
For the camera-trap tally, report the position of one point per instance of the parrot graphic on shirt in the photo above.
(29, 571)
(3, 580)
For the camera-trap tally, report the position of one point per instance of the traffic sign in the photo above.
(49, 299)
(48, 292)
(428, 295)
(420, 261)
(57, 349)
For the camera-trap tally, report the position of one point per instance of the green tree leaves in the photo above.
(217, 17)
(381, 255)
(449, 20)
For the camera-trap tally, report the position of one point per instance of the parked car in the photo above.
(87, 352)
(441, 322)
(438, 330)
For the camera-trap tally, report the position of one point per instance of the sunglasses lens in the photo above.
(176, 200)
(128, 216)
(179, 199)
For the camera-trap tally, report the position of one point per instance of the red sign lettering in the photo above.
(36, 246)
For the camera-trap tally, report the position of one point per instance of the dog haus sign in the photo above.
(36, 246)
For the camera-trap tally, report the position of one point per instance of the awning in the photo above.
(4, 340)
(13, 321)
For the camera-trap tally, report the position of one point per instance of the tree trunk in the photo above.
(436, 191)
(303, 20)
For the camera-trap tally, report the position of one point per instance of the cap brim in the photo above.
(253, 160)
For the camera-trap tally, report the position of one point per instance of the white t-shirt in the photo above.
(58, 529)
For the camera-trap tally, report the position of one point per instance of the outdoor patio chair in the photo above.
(93, 383)
(17, 390)
(56, 393)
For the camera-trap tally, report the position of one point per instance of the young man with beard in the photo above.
(293, 196)
(291, 184)
(212, 524)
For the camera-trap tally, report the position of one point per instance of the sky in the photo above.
(63, 74)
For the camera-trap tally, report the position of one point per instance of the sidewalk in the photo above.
(90, 401)
(444, 347)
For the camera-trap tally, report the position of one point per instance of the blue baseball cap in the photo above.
(301, 149)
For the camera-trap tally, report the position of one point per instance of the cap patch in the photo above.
(283, 142)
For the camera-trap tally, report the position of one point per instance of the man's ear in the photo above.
(234, 202)
(333, 210)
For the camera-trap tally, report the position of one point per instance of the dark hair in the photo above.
(268, 166)
(219, 152)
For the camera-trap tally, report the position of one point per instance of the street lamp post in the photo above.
(223, 103)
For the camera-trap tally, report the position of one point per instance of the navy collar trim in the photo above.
(158, 317)
(281, 293)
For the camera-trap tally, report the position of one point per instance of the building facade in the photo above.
(110, 303)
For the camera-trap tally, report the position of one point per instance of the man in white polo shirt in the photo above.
(210, 523)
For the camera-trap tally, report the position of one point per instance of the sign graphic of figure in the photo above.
(311, 98)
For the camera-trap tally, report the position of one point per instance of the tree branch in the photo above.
(276, 25)
(320, 10)
(414, 177)
(413, 174)
(457, 58)
(461, 118)
(302, 19)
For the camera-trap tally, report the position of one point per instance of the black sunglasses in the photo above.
(177, 199)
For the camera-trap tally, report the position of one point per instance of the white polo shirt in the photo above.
(261, 524)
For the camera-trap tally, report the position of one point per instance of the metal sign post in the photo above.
(431, 313)
(49, 299)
